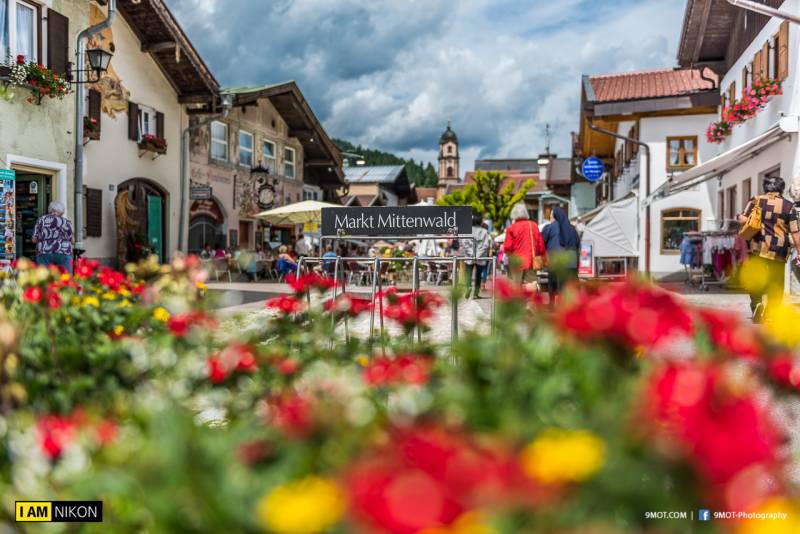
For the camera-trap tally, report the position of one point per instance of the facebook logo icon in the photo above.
(704, 515)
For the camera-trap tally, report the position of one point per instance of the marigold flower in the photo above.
(308, 506)
(563, 456)
(90, 301)
(161, 314)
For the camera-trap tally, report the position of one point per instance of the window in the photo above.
(747, 192)
(245, 149)
(732, 194)
(219, 141)
(449, 172)
(147, 122)
(721, 206)
(772, 64)
(674, 223)
(681, 152)
(270, 155)
(19, 29)
(288, 162)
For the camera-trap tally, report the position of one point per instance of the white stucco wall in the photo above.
(41, 136)
(654, 131)
(115, 158)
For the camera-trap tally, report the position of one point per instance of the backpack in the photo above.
(752, 226)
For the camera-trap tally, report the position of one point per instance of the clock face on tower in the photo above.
(266, 196)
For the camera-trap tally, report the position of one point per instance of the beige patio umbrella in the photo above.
(307, 211)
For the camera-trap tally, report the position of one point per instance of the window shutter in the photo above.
(732, 93)
(95, 107)
(783, 51)
(94, 212)
(764, 72)
(160, 124)
(133, 121)
(756, 66)
(744, 77)
(57, 42)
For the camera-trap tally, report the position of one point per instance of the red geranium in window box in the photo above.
(153, 143)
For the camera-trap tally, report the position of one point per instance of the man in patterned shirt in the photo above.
(54, 237)
(770, 247)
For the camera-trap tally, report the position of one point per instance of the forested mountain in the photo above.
(418, 173)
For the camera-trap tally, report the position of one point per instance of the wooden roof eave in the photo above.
(633, 108)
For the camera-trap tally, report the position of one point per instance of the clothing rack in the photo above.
(703, 275)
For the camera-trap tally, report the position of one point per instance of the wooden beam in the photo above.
(319, 163)
(701, 32)
(301, 132)
(158, 46)
(198, 97)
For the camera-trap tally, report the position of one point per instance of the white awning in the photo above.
(613, 229)
(726, 161)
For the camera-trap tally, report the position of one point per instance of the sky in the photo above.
(389, 74)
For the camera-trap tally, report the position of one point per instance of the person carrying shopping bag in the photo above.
(767, 222)
(525, 246)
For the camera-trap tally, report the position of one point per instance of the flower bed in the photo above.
(621, 401)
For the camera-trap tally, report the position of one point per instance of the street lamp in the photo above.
(99, 60)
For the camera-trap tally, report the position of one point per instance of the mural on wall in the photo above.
(246, 195)
(115, 96)
(200, 139)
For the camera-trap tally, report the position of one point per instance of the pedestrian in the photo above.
(563, 246)
(524, 246)
(206, 253)
(769, 248)
(219, 252)
(477, 247)
(54, 237)
(286, 263)
(329, 260)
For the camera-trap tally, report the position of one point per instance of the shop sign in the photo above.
(586, 260)
(593, 168)
(200, 192)
(407, 221)
(310, 228)
(8, 218)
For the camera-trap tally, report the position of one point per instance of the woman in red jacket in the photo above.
(525, 246)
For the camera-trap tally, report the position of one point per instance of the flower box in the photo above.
(754, 98)
(41, 81)
(152, 143)
(90, 129)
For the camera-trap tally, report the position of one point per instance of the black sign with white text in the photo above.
(397, 221)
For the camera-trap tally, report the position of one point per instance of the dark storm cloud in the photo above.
(391, 73)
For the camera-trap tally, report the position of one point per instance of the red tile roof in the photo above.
(426, 192)
(649, 84)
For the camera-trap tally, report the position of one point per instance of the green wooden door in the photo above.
(155, 226)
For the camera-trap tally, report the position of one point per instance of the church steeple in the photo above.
(448, 156)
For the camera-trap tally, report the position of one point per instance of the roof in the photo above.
(323, 160)
(381, 174)
(448, 135)
(522, 164)
(713, 34)
(426, 192)
(160, 35)
(646, 84)
(559, 172)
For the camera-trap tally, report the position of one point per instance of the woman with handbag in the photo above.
(525, 246)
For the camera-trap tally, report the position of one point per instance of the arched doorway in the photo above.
(206, 225)
(141, 212)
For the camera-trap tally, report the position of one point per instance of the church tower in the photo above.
(448, 157)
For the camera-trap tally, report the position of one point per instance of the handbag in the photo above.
(537, 262)
(752, 226)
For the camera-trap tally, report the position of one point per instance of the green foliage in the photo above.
(489, 197)
(418, 173)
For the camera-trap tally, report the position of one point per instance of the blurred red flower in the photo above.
(730, 333)
(348, 304)
(33, 294)
(286, 304)
(306, 282)
(403, 369)
(292, 414)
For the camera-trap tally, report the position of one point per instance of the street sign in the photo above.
(200, 192)
(593, 168)
(405, 221)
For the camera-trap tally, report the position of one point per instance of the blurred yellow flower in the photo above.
(562, 456)
(91, 301)
(201, 286)
(119, 330)
(754, 275)
(469, 523)
(75, 301)
(362, 360)
(789, 524)
(124, 292)
(161, 314)
(109, 295)
(65, 277)
(307, 506)
(781, 324)
(125, 303)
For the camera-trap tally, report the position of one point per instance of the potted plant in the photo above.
(153, 143)
(91, 129)
(41, 81)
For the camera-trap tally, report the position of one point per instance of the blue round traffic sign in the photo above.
(593, 168)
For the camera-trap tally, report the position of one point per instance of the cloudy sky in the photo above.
(389, 74)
